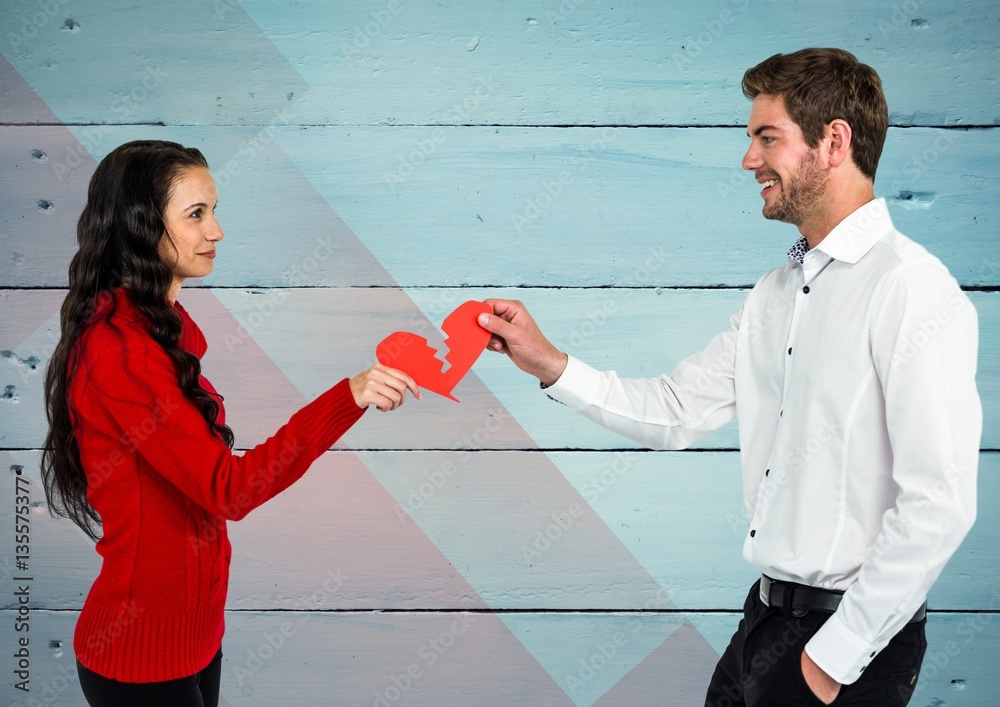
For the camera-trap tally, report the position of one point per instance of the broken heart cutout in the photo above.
(410, 353)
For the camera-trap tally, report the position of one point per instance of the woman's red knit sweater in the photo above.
(164, 486)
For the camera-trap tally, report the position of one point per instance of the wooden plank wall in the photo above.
(381, 161)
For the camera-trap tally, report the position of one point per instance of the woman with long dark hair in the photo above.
(138, 452)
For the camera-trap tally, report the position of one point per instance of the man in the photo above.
(852, 371)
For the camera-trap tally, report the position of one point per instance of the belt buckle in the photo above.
(787, 594)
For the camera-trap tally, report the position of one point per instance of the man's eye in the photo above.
(767, 140)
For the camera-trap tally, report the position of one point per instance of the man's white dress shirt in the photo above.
(853, 378)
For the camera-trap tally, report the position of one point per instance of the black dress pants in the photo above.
(762, 665)
(198, 690)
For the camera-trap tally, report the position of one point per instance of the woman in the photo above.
(138, 444)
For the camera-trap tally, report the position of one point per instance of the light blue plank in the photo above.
(440, 658)
(122, 62)
(479, 206)
(683, 517)
(299, 339)
(518, 532)
(38, 209)
(972, 576)
(641, 333)
(494, 530)
(589, 654)
(618, 207)
(350, 658)
(416, 62)
(308, 339)
(22, 371)
(640, 62)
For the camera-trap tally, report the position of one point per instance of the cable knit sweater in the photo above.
(164, 486)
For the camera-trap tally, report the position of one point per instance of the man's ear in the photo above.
(838, 133)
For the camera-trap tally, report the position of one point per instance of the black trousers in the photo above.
(761, 667)
(198, 690)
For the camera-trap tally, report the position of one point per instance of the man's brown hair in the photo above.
(821, 85)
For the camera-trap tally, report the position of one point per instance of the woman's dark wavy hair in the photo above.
(119, 236)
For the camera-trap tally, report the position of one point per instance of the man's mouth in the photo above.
(768, 185)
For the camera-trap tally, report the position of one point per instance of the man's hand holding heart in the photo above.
(516, 334)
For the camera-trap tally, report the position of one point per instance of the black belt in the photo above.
(796, 599)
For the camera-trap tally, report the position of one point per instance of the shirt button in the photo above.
(753, 533)
(780, 413)
(805, 290)
(872, 655)
(789, 350)
(766, 472)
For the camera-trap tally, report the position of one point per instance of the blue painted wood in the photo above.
(461, 658)
(494, 530)
(398, 189)
(492, 206)
(619, 207)
(387, 62)
(303, 341)
(144, 63)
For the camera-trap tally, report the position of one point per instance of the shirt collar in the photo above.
(852, 238)
(798, 250)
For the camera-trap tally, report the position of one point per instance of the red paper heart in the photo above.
(410, 353)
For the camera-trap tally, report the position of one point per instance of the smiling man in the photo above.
(851, 368)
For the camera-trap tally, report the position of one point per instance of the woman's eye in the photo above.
(196, 213)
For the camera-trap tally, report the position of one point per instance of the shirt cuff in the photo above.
(840, 652)
(577, 385)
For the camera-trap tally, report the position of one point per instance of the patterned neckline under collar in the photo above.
(798, 250)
